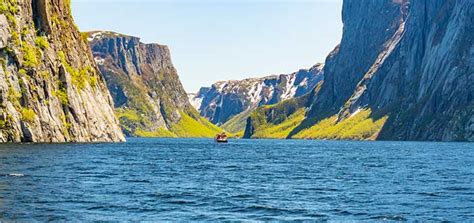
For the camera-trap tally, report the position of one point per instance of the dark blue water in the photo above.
(196, 179)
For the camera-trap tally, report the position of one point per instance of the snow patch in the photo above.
(97, 35)
(99, 60)
(290, 88)
(196, 102)
(254, 93)
(304, 83)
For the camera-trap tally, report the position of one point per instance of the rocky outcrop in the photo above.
(4, 31)
(403, 71)
(196, 98)
(425, 79)
(149, 97)
(227, 100)
(50, 87)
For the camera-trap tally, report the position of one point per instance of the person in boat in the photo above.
(221, 137)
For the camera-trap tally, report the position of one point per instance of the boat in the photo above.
(221, 138)
(222, 141)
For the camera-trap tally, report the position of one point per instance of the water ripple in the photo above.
(245, 180)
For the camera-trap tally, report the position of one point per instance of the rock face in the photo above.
(4, 31)
(149, 97)
(196, 98)
(406, 62)
(50, 87)
(227, 99)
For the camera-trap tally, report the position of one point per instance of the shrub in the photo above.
(84, 37)
(24, 32)
(55, 20)
(15, 38)
(3, 63)
(44, 74)
(9, 8)
(61, 94)
(92, 81)
(73, 72)
(42, 42)
(79, 77)
(66, 124)
(22, 72)
(3, 7)
(12, 6)
(68, 5)
(129, 114)
(90, 75)
(5, 123)
(28, 115)
(62, 57)
(30, 56)
(13, 95)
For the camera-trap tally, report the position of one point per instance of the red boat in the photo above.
(221, 138)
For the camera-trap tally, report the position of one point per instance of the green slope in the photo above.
(288, 120)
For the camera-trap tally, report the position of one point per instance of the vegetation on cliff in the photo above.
(229, 103)
(405, 74)
(360, 126)
(47, 75)
(149, 98)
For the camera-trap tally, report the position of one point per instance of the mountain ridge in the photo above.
(149, 98)
(227, 103)
(403, 71)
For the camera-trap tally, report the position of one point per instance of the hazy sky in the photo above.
(214, 40)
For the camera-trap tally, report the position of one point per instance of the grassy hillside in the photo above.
(187, 126)
(283, 129)
(360, 126)
(194, 127)
(276, 121)
(149, 98)
(237, 123)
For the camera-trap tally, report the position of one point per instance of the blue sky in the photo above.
(213, 40)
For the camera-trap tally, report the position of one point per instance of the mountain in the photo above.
(149, 97)
(403, 71)
(50, 87)
(228, 103)
(196, 98)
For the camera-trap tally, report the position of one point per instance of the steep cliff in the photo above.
(426, 79)
(149, 97)
(228, 103)
(50, 87)
(403, 71)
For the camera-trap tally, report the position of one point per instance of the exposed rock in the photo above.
(227, 100)
(197, 98)
(368, 25)
(4, 31)
(426, 79)
(409, 60)
(149, 97)
(50, 88)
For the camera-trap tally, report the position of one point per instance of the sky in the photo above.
(214, 40)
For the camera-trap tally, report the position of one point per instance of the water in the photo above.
(196, 179)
